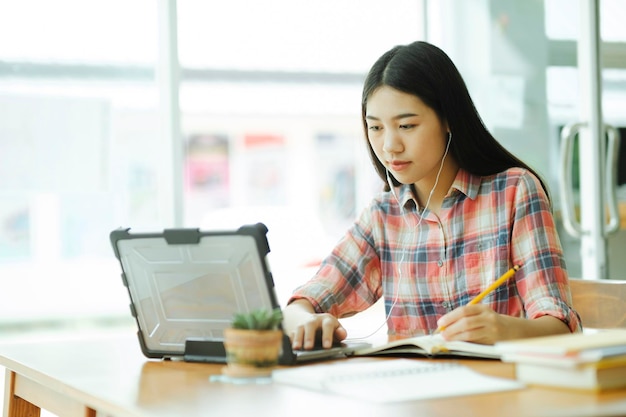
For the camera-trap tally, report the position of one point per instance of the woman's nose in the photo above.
(392, 143)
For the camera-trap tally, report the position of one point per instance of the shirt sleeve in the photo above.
(542, 282)
(348, 280)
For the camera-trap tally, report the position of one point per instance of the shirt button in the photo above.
(447, 305)
(440, 263)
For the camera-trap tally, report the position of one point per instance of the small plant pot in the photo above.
(251, 353)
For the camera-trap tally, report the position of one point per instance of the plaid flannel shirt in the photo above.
(424, 270)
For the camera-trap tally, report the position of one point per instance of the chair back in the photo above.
(601, 304)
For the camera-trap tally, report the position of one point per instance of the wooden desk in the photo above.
(108, 376)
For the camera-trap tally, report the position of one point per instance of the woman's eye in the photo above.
(409, 126)
(374, 128)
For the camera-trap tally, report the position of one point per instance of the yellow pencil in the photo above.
(504, 278)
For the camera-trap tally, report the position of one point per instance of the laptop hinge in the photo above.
(202, 350)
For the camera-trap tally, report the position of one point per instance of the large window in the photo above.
(269, 103)
(269, 98)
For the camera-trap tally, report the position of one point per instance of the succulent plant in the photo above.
(261, 319)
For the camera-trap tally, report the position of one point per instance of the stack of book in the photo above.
(595, 361)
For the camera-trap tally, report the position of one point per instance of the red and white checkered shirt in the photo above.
(485, 226)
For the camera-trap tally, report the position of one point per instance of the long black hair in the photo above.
(425, 71)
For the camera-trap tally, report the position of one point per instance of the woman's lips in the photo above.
(398, 165)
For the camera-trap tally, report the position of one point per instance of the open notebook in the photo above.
(429, 346)
(186, 284)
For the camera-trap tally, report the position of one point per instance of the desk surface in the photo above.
(110, 375)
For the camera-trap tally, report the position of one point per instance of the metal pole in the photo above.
(592, 145)
(168, 74)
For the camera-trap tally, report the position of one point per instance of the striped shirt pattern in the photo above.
(426, 269)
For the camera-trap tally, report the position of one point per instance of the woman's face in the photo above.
(406, 135)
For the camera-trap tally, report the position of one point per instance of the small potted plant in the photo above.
(253, 343)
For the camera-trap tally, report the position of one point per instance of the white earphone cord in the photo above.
(397, 295)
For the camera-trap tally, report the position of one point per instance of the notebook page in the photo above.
(395, 380)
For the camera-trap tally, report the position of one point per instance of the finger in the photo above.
(310, 333)
(448, 319)
(297, 338)
(459, 313)
(471, 326)
(329, 326)
(451, 324)
(340, 333)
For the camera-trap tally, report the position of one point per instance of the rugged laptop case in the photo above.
(186, 284)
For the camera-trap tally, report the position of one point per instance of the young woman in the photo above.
(457, 212)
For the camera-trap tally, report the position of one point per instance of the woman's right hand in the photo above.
(305, 327)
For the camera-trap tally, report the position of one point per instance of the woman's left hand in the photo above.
(474, 323)
(480, 324)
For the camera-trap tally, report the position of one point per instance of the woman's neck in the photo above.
(439, 187)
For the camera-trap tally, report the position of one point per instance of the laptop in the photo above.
(185, 285)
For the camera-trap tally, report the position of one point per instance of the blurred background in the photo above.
(153, 114)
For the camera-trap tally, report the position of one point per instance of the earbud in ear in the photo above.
(390, 183)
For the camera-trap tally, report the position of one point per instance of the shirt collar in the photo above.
(464, 182)
(467, 183)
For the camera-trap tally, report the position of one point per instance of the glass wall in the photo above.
(563, 28)
(269, 119)
(269, 104)
(77, 95)
(521, 65)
